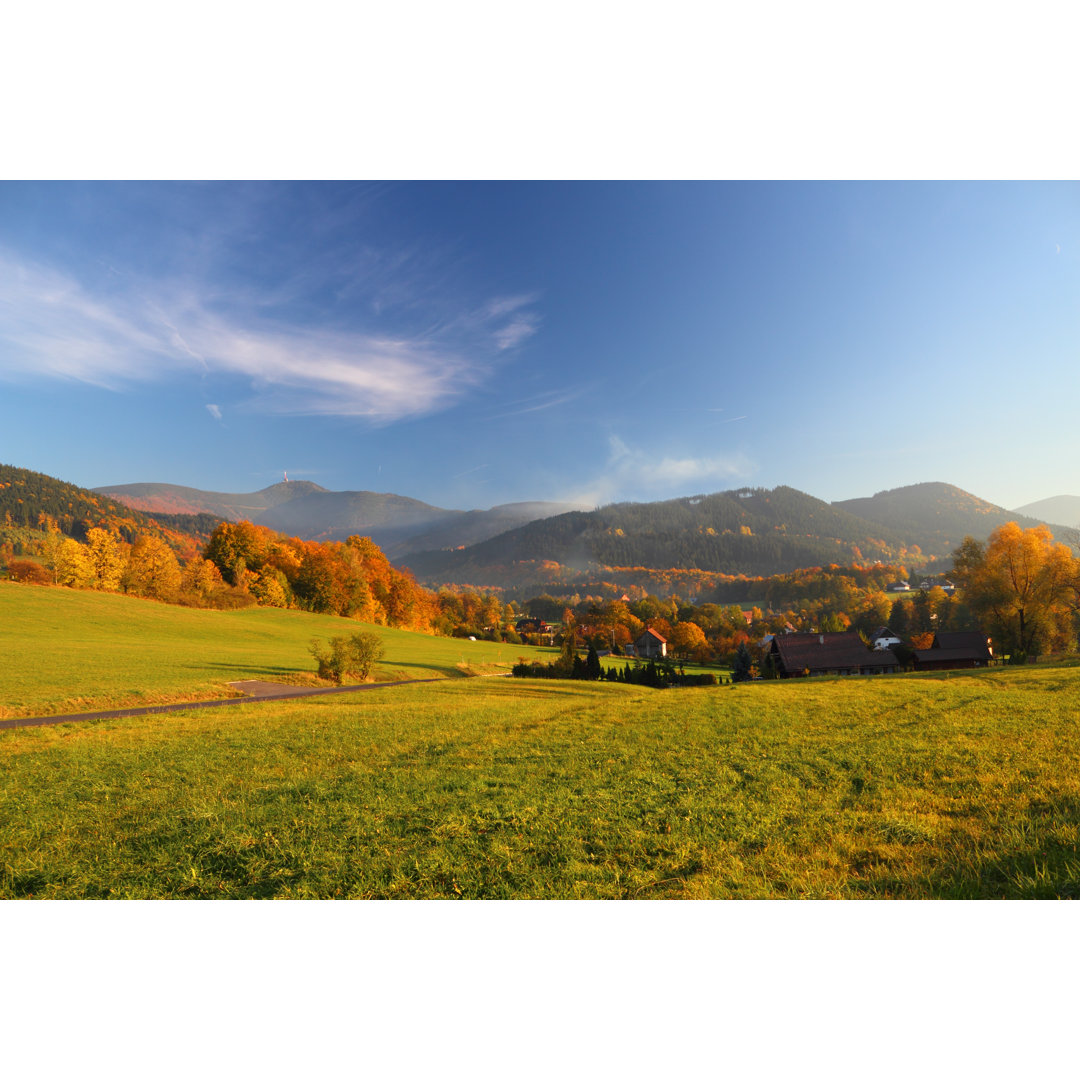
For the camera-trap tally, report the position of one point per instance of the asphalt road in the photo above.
(255, 693)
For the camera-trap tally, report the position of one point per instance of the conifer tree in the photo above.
(593, 668)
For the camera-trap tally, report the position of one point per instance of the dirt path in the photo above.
(255, 692)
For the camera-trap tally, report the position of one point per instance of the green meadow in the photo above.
(950, 786)
(69, 651)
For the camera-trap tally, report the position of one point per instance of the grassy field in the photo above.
(907, 787)
(68, 651)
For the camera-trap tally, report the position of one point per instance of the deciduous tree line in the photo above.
(244, 564)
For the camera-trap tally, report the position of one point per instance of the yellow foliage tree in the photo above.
(201, 578)
(153, 570)
(107, 558)
(74, 567)
(1023, 584)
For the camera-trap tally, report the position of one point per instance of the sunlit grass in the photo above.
(68, 651)
(965, 786)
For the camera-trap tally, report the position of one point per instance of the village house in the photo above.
(883, 638)
(956, 649)
(796, 655)
(651, 645)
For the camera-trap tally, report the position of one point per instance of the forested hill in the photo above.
(935, 516)
(752, 531)
(747, 531)
(27, 498)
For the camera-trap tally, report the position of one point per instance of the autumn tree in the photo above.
(271, 588)
(688, 639)
(73, 565)
(152, 570)
(236, 548)
(107, 559)
(201, 579)
(1022, 585)
(568, 652)
(51, 545)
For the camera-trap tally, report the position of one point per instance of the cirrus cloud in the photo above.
(659, 476)
(51, 326)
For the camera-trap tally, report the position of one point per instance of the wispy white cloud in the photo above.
(548, 399)
(634, 473)
(467, 472)
(51, 326)
(214, 411)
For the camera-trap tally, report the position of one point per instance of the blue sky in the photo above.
(470, 344)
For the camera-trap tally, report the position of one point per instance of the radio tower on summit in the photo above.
(286, 476)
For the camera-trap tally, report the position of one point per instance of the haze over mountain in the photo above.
(1064, 509)
(398, 524)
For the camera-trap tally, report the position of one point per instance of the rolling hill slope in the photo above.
(25, 496)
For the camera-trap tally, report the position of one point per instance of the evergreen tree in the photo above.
(740, 671)
(593, 670)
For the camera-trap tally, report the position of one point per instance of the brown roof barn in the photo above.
(828, 654)
(651, 644)
(955, 649)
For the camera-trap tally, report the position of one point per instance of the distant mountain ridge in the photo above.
(1064, 509)
(752, 531)
(174, 499)
(398, 524)
(941, 514)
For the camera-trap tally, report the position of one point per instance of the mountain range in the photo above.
(752, 531)
(399, 525)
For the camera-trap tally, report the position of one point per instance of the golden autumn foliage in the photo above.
(1023, 585)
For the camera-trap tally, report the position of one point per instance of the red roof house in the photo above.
(651, 644)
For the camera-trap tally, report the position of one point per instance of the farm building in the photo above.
(956, 649)
(883, 638)
(828, 654)
(651, 645)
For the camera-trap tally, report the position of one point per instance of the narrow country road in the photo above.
(255, 692)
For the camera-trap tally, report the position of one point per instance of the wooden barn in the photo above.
(651, 645)
(828, 654)
(956, 649)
